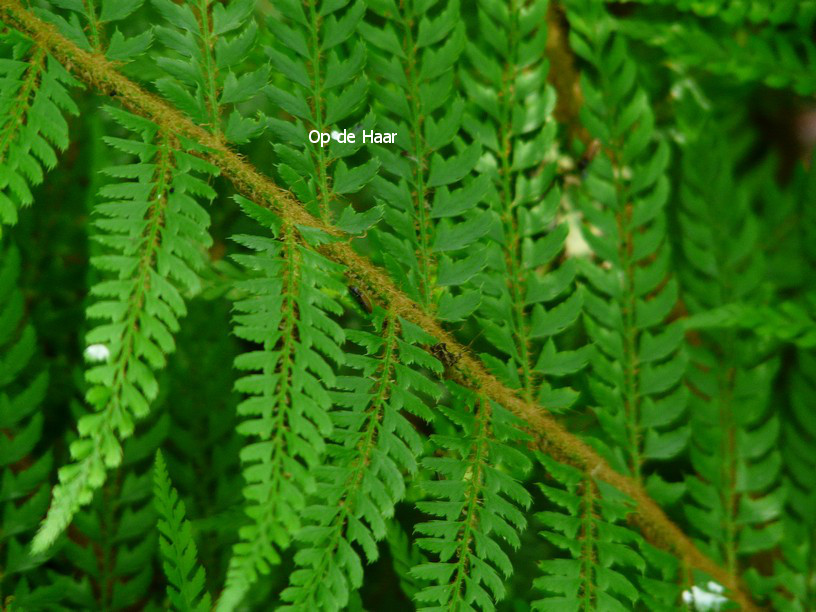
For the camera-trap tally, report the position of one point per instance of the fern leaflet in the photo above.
(178, 546)
(33, 98)
(288, 313)
(156, 232)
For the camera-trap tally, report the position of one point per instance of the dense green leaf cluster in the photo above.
(552, 348)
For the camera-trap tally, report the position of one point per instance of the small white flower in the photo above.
(335, 135)
(97, 352)
(576, 245)
(714, 587)
(705, 600)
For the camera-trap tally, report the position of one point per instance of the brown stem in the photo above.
(551, 437)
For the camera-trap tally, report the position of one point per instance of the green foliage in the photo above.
(776, 56)
(737, 496)
(592, 243)
(33, 98)
(607, 568)
(363, 479)
(326, 90)
(113, 542)
(432, 215)
(801, 13)
(23, 488)
(639, 363)
(178, 548)
(288, 313)
(85, 25)
(529, 301)
(205, 41)
(475, 502)
(155, 231)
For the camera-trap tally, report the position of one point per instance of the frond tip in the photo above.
(180, 556)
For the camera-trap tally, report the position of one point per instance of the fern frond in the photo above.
(95, 70)
(606, 569)
(477, 503)
(326, 93)
(93, 35)
(639, 362)
(288, 312)
(202, 447)
(156, 232)
(432, 216)
(112, 542)
(33, 98)
(186, 589)
(23, 474)
(404, 555)
(799, 13)
(791, 586)
(737, 494)
(776, 57)
(363, 478)
(208, 41)
(528, 299)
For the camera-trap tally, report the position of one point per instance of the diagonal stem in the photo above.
(550, 436)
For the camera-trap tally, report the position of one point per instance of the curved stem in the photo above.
(550, 436)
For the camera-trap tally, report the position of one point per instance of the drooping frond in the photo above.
(325, 96)
(639, 363)
(33, 99)
(23, 470)
(432, 215)
(186, 577)
(154, 232)
(207, 42)
(606, 569)
(420, 314)
(288, 313)
(477, 503)
(376, 448)
(113, 543)
(736, 495)
(404, 556)
(529, 298)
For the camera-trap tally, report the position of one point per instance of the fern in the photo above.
(202, 62)
(512, 116)
(404, 555)
(158, 231)
(328, 95)
(792, 581)
(288, 314)
(86, 26)
(585, 523)
(363, 479)
(33, 98)
(177, 545)
(772, 56)
(639, 363)
(737, 497)
(23, 484)
(433, 212)
(602, 199)
(795, 12)
(201, 450)
(475, 503)
(112, 544)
